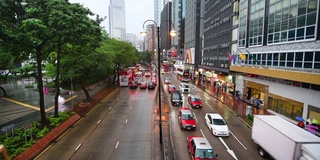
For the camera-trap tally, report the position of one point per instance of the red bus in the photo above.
(165, 67)
(126, 77)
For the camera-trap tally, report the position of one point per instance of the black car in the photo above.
(151, 85)
(176, 98)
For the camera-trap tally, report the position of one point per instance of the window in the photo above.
(298, 60)
(275, 59)
(310, 32)
(302, 6)
(284, 36)
(300, 33)
(292, 34)
(301, 21)
(311, 18)
(283, 59)
(317, 60)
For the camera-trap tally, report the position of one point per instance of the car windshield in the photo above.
(186, 116)
(176, 96)
(205, 153)
(185, 86)
(195, 99)
(218, 122)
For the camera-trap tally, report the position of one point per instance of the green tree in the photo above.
(124, 53)
(25, 25)
(74, 27)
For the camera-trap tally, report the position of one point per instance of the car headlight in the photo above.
(193, 125)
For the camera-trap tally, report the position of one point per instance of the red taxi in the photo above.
(186, 119)
(194, 101)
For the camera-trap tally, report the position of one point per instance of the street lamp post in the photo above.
(172, 33)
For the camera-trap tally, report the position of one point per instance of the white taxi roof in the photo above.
(202, 143)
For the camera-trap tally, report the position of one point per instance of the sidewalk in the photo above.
(23, 108)
(236, 104)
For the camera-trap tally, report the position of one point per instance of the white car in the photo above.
(167, 80)
(217, 125)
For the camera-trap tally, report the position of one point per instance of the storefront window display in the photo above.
(286, 107)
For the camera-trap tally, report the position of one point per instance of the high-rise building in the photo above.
(117, 19)
(178, 19)
(158, 6)
(166, 26)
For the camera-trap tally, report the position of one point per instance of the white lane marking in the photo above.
(207, 97)
(117, 145)
(110, 108)
(209, 105)
(127, 121)
(78, 147)
(99, 121)
(118, 99)
(238, 141)
(130, 107)
(202, 133)
(195, 117)
(189, 106)
(228, 150)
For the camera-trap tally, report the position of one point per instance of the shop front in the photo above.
(256, 93)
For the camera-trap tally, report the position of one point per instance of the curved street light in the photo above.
(172, 33)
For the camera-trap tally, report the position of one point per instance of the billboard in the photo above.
(189, 56)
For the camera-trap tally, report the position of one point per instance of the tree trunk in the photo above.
(4, 91)
(86, 92)
(56, 98)
(40, 88)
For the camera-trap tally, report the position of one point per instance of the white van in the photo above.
(184, 88)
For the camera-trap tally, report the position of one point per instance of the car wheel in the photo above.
(212, 131)
(262, 152)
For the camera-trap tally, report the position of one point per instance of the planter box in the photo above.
(45, 141)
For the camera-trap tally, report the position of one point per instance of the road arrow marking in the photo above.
(228, 150)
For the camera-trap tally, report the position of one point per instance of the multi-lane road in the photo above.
(122, 127)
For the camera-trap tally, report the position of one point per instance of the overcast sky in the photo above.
(137, 11)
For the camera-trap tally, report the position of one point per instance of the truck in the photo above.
(283, 140)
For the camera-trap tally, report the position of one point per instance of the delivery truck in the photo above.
(283, 140)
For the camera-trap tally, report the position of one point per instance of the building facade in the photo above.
(218, 39)
(166, 26)
(279, 56)
(178, 19)
(117, 20)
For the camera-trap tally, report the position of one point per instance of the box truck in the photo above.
(283, 140)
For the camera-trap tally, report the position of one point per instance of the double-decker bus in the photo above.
(165, 67)
(183, 74)
(137, 77)
(125, 77)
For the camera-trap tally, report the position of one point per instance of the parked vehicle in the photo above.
(194, 101)
(176, 98)
(200, 149)
(186, 119)
(216, 124)
(284, 140)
